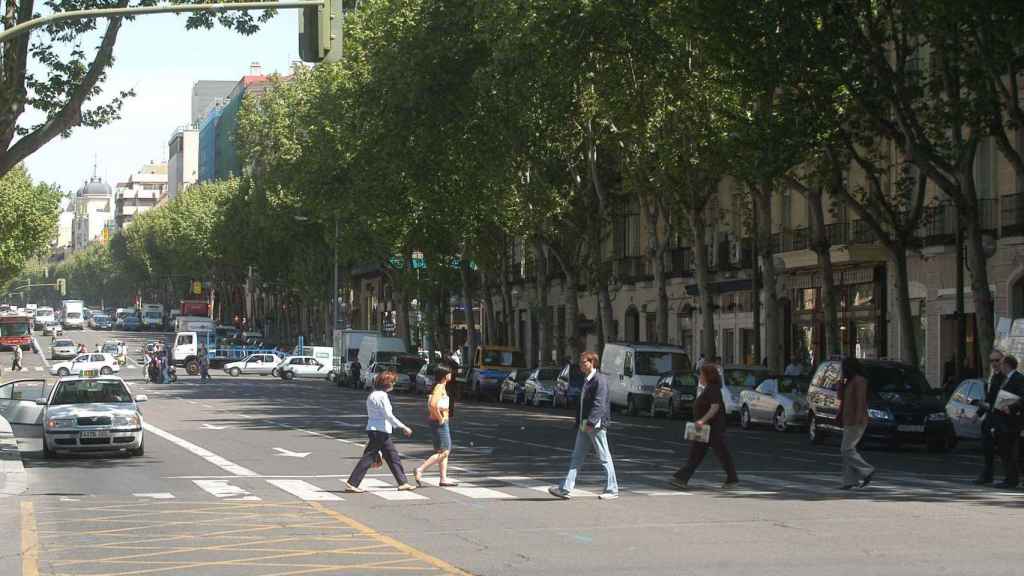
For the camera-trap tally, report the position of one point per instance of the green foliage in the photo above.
(28, 219)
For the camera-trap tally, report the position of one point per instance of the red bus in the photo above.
(16, 331)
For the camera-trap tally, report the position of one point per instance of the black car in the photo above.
(569, 386)
(675, 394)
(902, 407)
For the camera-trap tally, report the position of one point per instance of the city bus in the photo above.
(15, 330)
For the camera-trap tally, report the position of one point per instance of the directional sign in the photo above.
(283, 452)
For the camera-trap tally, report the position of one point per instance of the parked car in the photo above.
(53, 329)
(675, 394)
(512, 387)
(539, 388)
(100, 321)
(780, 401)
(304, 367)
(961, 411)
(261, 363)
(62, 349)
(131, 323)
(569, 386)
(403, 381)
(425, 378)
(93, 361)
(92, 413)
(736, 379)
(902, 406)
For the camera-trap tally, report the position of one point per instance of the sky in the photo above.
(161, 60)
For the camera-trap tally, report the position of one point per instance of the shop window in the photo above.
(863, 295)
(864, 345)
(807, 299)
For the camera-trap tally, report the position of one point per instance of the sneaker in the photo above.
(406, 487)
(353, 488)
(867, 480)
(679, 483)
(557, 492)
(729, 484)
(608, 495)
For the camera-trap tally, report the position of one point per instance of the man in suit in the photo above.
(1013, 415)
(990, 423)
(592, 424)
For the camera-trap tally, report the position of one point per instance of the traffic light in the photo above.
(62, 286)
(320, 32)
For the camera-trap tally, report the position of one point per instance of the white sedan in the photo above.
(776, 401)
(304, 367)
(94, 413)
(101, 362)
(253, 364)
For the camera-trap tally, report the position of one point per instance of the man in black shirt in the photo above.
(1009, 438)
(990, 423)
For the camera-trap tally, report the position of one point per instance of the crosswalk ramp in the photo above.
(505, 488)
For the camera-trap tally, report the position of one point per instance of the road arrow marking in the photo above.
(213, 427)
(283, 452)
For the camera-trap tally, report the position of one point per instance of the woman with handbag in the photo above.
(379, 423)
(853, 415)
(711, 408)
(438, 407)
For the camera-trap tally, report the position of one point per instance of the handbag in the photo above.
(692, 434)
(378, 461)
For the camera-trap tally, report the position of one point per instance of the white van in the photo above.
(346, 350)
(632, 371)
(383, 349)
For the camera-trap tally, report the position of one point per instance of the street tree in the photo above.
(28, 220)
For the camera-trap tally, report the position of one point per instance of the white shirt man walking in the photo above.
(592, 424)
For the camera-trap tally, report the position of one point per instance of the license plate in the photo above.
(910, 428)
(686, 396)
(94, 434)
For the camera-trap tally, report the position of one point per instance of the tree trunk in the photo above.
(755, 293)
(571, 301)
(908, 352)
(984, 307)
(402, 323)
(822, 247)
(467, 304)
(507, 312)
(707, 299)
(766, 259)
(543, 314)
(656, 251)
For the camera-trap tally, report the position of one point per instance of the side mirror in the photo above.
(40, 401)
(141, 398)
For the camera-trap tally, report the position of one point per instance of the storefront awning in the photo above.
(723, 286)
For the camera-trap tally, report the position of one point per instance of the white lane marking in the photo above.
(218, 461)
(155, 495)
(470, 490)
(213, 427)
(389, 491)
(304, 490)
(576, 492)
(41, 355)
(349, 424)
(39, 368)
(289, 453)
(662, 492)
(646, 449)
(224, 489)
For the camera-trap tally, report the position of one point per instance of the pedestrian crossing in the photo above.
(381, 487)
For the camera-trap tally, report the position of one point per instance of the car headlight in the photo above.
(132, 420)
(937, 417)
(60, 423)
(879, 414)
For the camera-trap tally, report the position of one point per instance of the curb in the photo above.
(13, 480)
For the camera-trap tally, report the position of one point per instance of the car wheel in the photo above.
(192, 368)
(63, 372)
(331, 375)
(631, 406)
(289, 375)
(140, 451)
(106, 371)
(234, 371)
(745, 417)
(275, 373)
(779, 421)
(816, 436)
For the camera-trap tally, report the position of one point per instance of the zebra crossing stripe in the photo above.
(226, 490)
(155, 495)
(388, 491)
(470, 490)
(305, 491)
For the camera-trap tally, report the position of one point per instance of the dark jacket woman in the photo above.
(709, 409)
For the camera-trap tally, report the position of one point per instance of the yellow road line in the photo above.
(29, 541)
(356, 525)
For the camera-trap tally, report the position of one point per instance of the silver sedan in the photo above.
(90, 414)
(779, 401)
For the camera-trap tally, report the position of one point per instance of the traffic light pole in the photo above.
(29, 25)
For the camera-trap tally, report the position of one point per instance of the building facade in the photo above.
(182, 160)
(93, 212)
(204, 94)
(141, 192)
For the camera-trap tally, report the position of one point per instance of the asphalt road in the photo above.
(244, 476)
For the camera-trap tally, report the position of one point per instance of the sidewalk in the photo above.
(12, 473)
(12, 484)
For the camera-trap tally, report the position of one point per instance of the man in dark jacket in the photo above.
(990, 419)
(1013, 415)
(591, 423)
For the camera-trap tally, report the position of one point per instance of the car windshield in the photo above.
(409, 364)
(98, 317)
(156, 315)
(91, 391)
(896, 380)
(44, 312)
(548, 373)
(109, 349)
(506, 358)
(521, 376)
(794, 384)
(59, 343)
(651, 363)
(744, 378)
(19, 329)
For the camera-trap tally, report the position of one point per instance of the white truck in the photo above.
(191, 334)
(378, 349)
(152, 316)
(633, 371)
(73, 314)
(346, 350)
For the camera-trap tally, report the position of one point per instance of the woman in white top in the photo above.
(379, 423)
(438, 407)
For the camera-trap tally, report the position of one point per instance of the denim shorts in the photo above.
(442, 436)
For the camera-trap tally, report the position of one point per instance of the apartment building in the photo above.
(141, 192)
